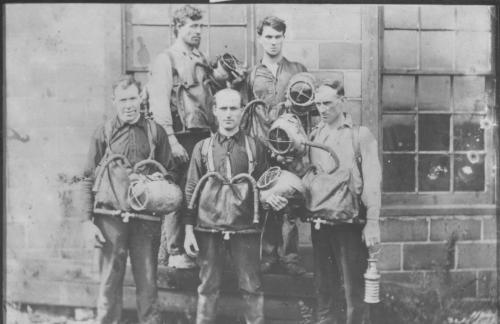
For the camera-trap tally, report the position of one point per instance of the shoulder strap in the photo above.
(152, 137)
(108, 133)
(356, 147)
(172, 61)
(251, 80)
(207, 153)
(250, 147)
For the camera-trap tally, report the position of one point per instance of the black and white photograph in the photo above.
(248, 163)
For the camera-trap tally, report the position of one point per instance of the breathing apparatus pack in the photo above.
(134, 191)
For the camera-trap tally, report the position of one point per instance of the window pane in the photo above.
(399, 132)
(151, 14)
(147, 43)
(228, 14)
(434, 132)
(401, 16)
(469, 172)
(467, 132)
(437, 50)
(399, 172)
(400, 49)
(228, 39)
(474, 17)
(469, 93)
(434, 173)
(474, 51)
(437, 17)
(434, 93)
(398, 92)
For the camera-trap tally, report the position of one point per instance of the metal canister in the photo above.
(372, 282)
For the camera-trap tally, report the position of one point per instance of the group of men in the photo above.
(197, 138)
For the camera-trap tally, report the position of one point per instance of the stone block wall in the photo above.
(61, 60)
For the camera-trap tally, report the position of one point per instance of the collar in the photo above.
(178, 47)
(118, 123)
(223, 138)
(280, 62)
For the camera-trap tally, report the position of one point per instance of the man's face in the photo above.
(190, 32)
(271, 41)
(127, 103)
(228, 111)
(329, 104)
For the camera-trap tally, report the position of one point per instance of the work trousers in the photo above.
(339, 252)
(280, 241)
(172, 234)
(140, 239)
(243, 250)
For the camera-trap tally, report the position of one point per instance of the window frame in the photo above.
(439, 202)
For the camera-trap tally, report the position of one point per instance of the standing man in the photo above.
(340, 243)
(133, 137)
(224, 217)
(268, 81)
(182, 104)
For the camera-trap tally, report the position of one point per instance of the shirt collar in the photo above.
(223, 138)
(280, 62)
(141, 122)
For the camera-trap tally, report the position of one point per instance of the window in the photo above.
(437, 97)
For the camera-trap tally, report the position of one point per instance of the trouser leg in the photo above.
(172, 236)
(211, 261)
(271, 237)
(288, 250)
(112, 267)
(326, 276)
(143, 247)
(244, 249)
(352, 255)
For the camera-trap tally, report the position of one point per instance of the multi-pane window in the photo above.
(437, 97)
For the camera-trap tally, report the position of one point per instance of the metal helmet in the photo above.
(300, 92)
(287, 136)
(227, 68)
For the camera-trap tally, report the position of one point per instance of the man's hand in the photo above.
(93, 233)
(190, 244)
(276, 202)
(371, 233)
(178, 151)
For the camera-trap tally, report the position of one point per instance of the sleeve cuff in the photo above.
(169, 130)
(373, 214)
(189, 217)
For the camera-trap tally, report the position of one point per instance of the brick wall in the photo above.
(419, 249)
(60, 63)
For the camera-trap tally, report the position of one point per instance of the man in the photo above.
(340, 244)
(181, 103)
(223, 218)
(268, 81)
(132, 136)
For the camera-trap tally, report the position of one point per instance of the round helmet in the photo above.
(300, 92)
(287, 136)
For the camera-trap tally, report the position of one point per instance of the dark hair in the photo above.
(335, 85)
(181, 14)
(126, 81)
(273, 22)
